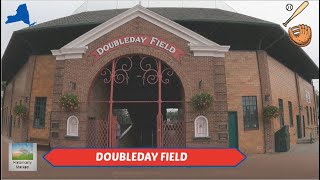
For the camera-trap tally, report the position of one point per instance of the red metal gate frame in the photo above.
(159, 118)
(112, 119)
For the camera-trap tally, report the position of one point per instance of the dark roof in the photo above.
(239, 31)
(175, 14)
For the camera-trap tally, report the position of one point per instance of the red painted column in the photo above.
(111, 142)
(159, 117)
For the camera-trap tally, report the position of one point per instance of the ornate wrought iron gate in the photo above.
(154, 75)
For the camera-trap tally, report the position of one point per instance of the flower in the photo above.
(20, 110)
(69, 101)
(270, 112)
(202, 101)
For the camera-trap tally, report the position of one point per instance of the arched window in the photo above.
(201, 127)
(72, 126)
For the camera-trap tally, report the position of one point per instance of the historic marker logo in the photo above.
(22, 157)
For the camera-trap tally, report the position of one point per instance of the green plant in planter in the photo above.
(202, 101)
(270, 112)
(20, 110)
(69, 101)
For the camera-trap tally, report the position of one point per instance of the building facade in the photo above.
(135, 75)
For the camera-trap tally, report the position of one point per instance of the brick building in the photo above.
(134, 72)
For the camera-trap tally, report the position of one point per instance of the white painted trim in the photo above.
(69, 133)
(217, 48)
(69, 56)
(69, 50)
(199, 45)
(195, 126)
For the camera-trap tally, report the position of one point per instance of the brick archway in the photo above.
(92, 72)
(150, 94)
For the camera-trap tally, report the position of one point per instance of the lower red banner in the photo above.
(157, 157)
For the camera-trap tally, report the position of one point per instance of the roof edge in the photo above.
(200, 45)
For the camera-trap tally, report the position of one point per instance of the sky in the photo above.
(17, 146)
(273, 11)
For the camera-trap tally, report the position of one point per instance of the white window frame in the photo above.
(68, 126)
(308, 96)
(196, 133)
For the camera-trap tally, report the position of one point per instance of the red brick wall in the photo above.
(190, 70)
(7, 108)
(17, 89)
(306, 86)
(283, 86)
(227, 79)
(242, 76)
(42, 86)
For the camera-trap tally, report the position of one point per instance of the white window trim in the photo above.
(308, 96)
(69, 133)
(196, 134)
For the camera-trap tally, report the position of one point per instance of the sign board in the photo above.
(137, 39)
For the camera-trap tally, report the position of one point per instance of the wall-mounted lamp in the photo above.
(200, 84)
(301, 108)
(73, 85)
(267, 97)
(25, 98)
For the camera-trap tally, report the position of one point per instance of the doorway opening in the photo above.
(136, 101)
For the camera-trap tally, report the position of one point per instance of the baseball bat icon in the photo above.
(297, 12)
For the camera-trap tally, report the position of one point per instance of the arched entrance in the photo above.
(136, 101)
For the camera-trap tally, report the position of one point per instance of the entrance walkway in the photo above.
(301, 162)
(305, 148)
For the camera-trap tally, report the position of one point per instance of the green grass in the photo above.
(24, 157)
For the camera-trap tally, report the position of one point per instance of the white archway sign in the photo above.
(201, 127)
(72, 126)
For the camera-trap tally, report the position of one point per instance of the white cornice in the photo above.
(69, 53)
(199, 45)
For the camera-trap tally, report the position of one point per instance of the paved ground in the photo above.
(301, 162)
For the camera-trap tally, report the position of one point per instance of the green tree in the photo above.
(172, 115)
(123, 116)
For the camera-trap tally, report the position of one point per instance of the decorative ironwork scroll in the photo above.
(123, 66)
(150, 69)
(166, 73)
(148, 65)
(150, 74)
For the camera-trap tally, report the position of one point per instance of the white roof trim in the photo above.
(199, 45)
